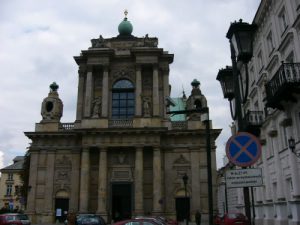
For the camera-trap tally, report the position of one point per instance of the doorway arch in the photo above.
(182, 204)
(61, 205)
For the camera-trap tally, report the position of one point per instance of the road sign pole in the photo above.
(244, 149)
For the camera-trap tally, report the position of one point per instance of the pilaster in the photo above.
(80, 95)
(49, 182)
(84, 181)
(102, 184)
(157, 185)
(155, 91)
(105, 93)
(32, 182)
(166, 89)
(138, 181)
(138, 91)
(88, 92)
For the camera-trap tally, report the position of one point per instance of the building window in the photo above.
(17, 190)
(8, 189)
(283, 22)
(284, 137)
(10, 176)
(290, 58)
(270, 42)
(123, 100)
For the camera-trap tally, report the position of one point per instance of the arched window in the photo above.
(123, 99)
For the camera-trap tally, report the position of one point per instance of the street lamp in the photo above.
(235, 89)
(292, 146)
(185, 180)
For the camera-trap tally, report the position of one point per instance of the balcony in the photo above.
(283, 85)
(66, 126)
(179, 125)
(252, 122)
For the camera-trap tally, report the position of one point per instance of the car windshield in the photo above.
(22, 217)
(234, 215)
(10, 217)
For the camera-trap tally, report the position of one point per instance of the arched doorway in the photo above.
(182, 205)
(61, 205)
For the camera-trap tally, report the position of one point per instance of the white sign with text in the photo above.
(244, 178)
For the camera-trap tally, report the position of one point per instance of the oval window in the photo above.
(49, 106)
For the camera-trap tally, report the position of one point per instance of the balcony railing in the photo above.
(284, 83)
(253, 121)
(66, 126)
(120, 123)
(179, 125)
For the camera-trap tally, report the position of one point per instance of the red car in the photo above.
(217, 220)
(14, 219)
(235, 218)
(139, 221)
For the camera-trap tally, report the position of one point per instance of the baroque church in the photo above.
(124, 155)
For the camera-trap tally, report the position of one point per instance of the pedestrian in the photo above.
(71, 218)
(198, 217)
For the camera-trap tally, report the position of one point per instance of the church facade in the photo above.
(123, 156)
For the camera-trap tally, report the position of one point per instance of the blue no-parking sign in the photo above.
(243, 149)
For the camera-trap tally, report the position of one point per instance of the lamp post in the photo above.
(292, 146)
(185, 180)
(235, 89)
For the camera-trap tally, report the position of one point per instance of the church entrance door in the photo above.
(121, 201)
(182, 208)
(61, 209)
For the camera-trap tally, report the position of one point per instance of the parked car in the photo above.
(14, 219)
(138, 221)
(87, 219)
(234, 218)
(157, 219)
(167, 220)
(218, 219)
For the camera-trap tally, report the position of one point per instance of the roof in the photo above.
(18, 164)
(180, 104)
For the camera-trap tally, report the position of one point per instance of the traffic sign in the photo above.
(243, 178)
(243, 149)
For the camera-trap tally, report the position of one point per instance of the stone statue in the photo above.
(96, 107)
(98, 43)
(146, 107)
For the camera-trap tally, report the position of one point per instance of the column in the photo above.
(166, 89)
(102, 184)
(80, 94)
(155, 91)
(84, 180)
(88, 93)
(195, 179)
(105, 92)
(157, 186)
(49, 182)
(138, 182)
(138, 91)
(32, 182)
(74, 199)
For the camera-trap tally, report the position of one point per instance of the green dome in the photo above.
(125, 28)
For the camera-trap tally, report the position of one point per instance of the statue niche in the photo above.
(96, 107)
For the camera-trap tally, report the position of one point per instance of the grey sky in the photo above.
(39, 39)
